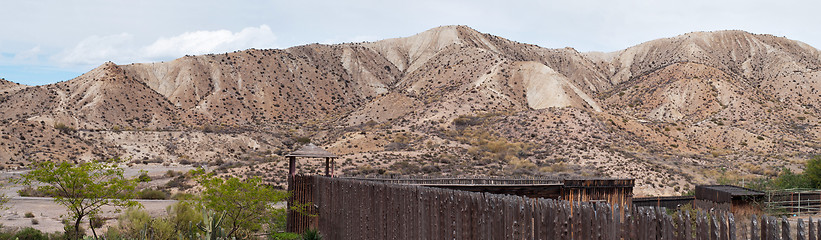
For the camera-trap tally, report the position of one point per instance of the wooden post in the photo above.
(289, 222)
(731, 226)
(327, 166)
(291, 167)
(333, 167)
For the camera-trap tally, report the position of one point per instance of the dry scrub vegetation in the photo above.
(450, 101)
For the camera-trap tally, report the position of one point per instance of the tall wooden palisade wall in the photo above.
(301, 190)
(354, 209)
(615, 192)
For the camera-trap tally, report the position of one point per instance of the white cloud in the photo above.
(29, 56)
(121, 48)
(95, 50)
(203, 42)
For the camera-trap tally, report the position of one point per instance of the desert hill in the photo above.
(7, 86)
(448, 101)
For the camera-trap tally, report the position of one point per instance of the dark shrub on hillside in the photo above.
(152, 194)
(178, 182)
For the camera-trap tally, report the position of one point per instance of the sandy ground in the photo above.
(50, 214)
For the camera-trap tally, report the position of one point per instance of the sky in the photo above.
(47, 41)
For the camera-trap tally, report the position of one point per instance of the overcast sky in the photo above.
(44, 42)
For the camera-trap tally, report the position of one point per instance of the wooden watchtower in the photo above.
(300, 187)
(311, 151)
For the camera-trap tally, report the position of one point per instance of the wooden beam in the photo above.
(327, 166)
(291, 166)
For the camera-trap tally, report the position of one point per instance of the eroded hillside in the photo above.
(449, 101)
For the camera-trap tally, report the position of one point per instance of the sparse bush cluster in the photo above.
(63, 128)
(152, 194)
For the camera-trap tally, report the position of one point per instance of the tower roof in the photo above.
(312, 151)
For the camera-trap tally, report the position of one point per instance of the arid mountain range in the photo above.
(451, 101)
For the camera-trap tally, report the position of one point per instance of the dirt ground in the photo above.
(49, 215)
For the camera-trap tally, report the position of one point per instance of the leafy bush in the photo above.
(136, 223)
(29, 215)
(311, 234)
(71, 232)
(29, 191)
(810, 178)
(144, 177)
(5, 234)
(303, 140)
(30, 234)
(813, 171)
(113, 233)
(285, 236)
(247, 202)
(152, 194)
(467, 120)
(185, 216)
(178, 182)
(132, 221)
(182, 196)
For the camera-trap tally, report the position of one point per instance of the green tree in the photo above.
(813, 171)
(787, 180)
(247, 204)
(83, 188)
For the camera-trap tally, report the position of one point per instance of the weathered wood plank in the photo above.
(773, 228)
(785, 229)
(818, 229)
(800, 234)
(714, 230)
(732, 229)
(754, 229)
(722, 222)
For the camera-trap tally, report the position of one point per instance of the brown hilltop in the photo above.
(6, 86)
(781, 69)
(447, 101)
(103, 98)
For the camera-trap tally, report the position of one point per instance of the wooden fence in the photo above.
(355, 209)
(794, 201)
